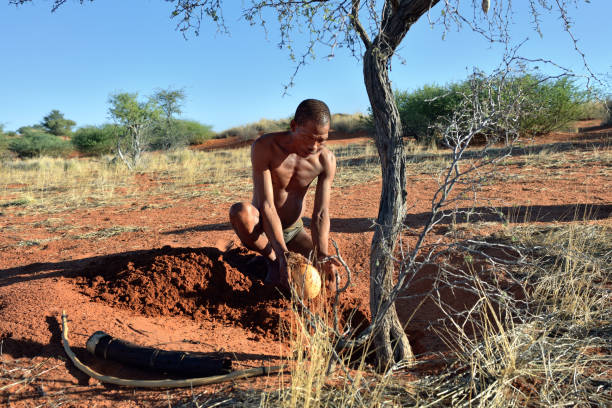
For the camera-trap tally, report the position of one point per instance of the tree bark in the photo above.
(390, 339)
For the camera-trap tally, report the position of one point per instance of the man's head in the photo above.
(312, 110)
(310, 127)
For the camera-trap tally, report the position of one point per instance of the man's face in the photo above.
(309, 137)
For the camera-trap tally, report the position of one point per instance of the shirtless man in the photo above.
(284, 166)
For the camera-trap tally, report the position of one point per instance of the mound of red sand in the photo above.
(203, 283)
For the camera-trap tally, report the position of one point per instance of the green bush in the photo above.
(550, 104)
(178, 133)
(194, 132)
(95, 140)
(34, 142)
(593, 109)
(421, 109)
(547, 104)
(56, 124)
(4, 141)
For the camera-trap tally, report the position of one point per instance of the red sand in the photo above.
(202, 283)
(189, 295)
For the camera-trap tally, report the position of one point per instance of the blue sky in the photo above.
(73, 59)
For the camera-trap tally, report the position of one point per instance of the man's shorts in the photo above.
(290, 232)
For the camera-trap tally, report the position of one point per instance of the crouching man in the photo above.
(284, 166)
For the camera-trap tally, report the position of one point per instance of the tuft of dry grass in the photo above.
(551, 348)
(109, 232)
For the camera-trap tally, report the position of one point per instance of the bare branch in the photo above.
(357, 24)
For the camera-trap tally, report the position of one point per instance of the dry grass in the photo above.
(54, 184)
(318, 377)
(550, 348)
(109, 232)
(51, 185)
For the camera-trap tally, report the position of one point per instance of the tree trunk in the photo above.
(390, 339)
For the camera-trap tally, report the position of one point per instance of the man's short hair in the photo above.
(312, 109)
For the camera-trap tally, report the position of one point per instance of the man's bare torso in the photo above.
(291, 175)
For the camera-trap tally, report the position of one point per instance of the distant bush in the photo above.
(340, 122)
(56, 124)
(548, 104)
(95, 140)
(346, 123)
(593, 109)
(24, 129)
(253, 130)
(194, 132)
(35, 142)
(179, 133)
(551, 104)
(420, 109)
(4, 141)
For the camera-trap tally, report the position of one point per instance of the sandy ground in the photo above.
(38, 282)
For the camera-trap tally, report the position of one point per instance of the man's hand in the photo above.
(328, 268)
(278, 273)
(283, 272)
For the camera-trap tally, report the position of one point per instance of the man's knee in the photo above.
(243, 213)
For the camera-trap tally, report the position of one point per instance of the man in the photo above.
(284, 166)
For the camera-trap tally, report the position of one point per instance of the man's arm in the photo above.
(262, 185)
(320, 214)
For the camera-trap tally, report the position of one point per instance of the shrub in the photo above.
(194, 132)
(34, 142)
(593, 109)
(3, 143)
(345, 123)
(550, 104)
(56, 124)
(95, 140)
(178, 133)
(420, 109)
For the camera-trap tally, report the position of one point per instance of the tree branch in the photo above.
(357, 24)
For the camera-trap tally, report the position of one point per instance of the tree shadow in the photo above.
(71, 268)
(78, 267)
(442, 300)
(513, 214)
(222, 226)
(519, 214)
